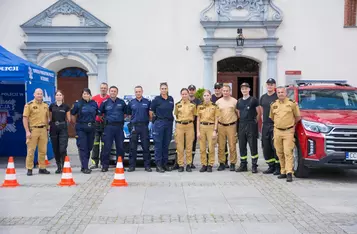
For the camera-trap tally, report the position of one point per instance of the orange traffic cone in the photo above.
(67, 178)
(119, 178)
(46, 161)
(10, 176)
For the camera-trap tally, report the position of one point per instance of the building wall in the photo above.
(158, 40)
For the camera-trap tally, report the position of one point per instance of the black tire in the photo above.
(300, 170)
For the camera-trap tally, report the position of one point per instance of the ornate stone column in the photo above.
(102, 62)
(272, 52)
(208, 78)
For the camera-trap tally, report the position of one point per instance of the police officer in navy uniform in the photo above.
(162, 109)
(60, 117)
(114, 110)
(138, 109)
(86, 111)
(268, 129)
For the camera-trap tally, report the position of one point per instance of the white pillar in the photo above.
(272, 52)
(208, 77)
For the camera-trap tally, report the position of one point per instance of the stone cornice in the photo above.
(249, 43)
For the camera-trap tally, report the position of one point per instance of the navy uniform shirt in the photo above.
(85, 111)
(163, 108)
(59, 112)
(113, 111)
(247, 109)
(139, 110)
(265, 102)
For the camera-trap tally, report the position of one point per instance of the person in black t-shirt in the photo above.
(249, 112)
(59, 116)
(268, 129)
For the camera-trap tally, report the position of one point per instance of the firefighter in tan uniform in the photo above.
(185, 112)
(207, 121)
(285, 113)
(227, 128)
(35, 121)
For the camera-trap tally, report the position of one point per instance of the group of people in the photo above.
(99, 122)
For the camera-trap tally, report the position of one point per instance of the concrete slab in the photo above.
(206, 200)
(30, 202)
(20, 229)
(122, 201)
(269, 228)
(164, 200)
(167, 228)
(111, 228)
(216, 228)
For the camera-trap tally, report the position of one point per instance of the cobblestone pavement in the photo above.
(219, 202)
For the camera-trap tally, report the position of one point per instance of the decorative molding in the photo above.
(208, 51)
(248, 43)
(64, 7)
(204, 17)
(256, 10)
(80, 56)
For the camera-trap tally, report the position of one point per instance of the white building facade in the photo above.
(145, 42)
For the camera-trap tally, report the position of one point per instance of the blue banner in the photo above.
(12, 132)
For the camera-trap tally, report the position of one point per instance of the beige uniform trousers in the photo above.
(39, 137)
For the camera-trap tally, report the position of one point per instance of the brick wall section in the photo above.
(350, 12)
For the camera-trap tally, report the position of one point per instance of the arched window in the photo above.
(72, 72)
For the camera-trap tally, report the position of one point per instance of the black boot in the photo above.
(255, 168)
(59, 168)
(203, 168)
(160, 169)
(289, 177)
(242, 167)
(282, 176)
(188, 168)
(270, 170)
(180, 169)
(29, 172)
(232, 167)
(43, 171)
(209, 169)
(221, 167)
(277, 169)
(166, 168)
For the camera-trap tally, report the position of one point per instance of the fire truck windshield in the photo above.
(332, 99)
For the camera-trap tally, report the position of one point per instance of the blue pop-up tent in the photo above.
(18, 80)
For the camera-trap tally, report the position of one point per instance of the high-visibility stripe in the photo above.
(10, 165)
(96, 143)
(10, 177)
(119, 165)
(119, 177)
(102, 143)
(67, 164)
(67, 176)
(226, 153)
(277, 161)
(255, 156)
(67, 170)
(243, 157)
(10, 171)
(270, 160)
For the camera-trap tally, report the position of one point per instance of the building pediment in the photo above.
(64, 7)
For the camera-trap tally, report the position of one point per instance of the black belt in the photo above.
(184, 122)
(206, 123)
(87, 123)
(229, 124)
(115, 123)
(58, 122)
(43, 126)
(284, 129)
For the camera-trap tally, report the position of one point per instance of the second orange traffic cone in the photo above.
(67, 178)
(10, 176)
(46, 161)
(119, 178)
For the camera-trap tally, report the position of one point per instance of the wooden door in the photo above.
(71, 84)
(230, 80)
(237, 78)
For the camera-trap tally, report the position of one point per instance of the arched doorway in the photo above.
(237, 70)
(71, 81)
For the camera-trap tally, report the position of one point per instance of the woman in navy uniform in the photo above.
(162, 107)
(60, 117)
(86, 111)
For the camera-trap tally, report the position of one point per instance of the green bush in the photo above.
(199, 93)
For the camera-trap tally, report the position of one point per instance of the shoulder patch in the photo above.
(29, 103)
(291, 100)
